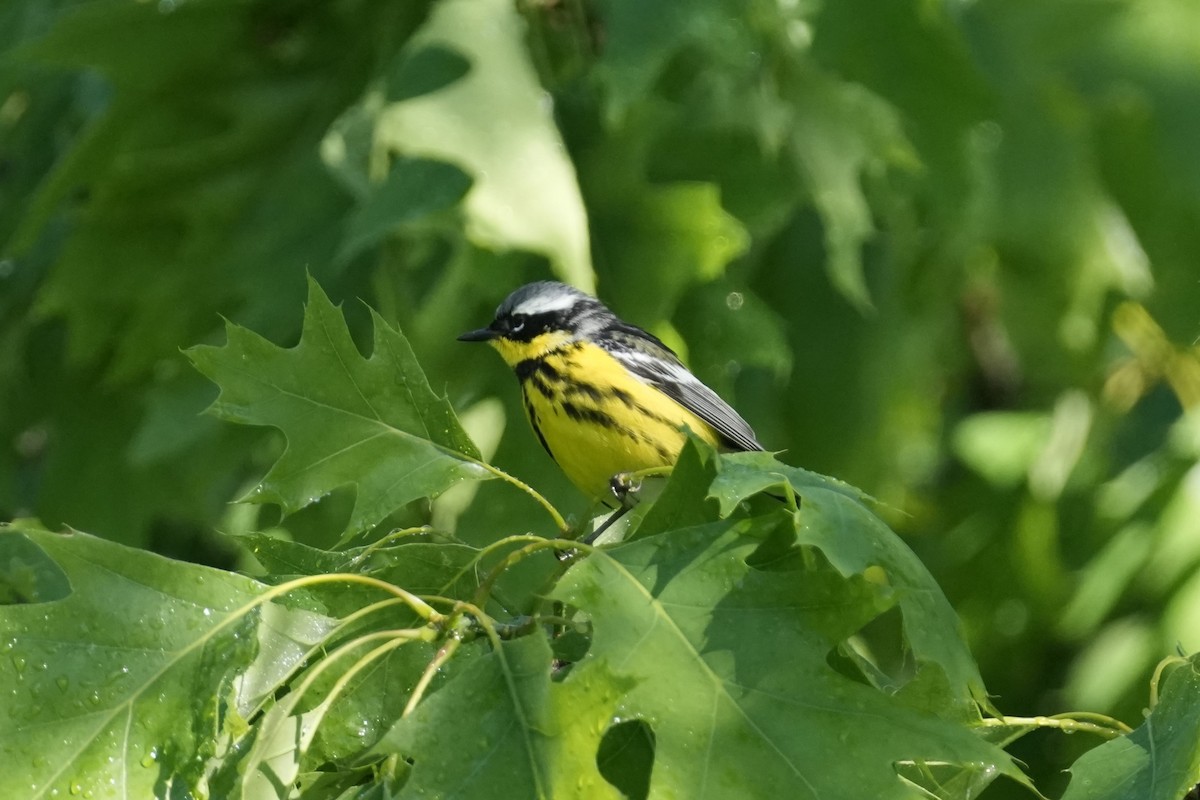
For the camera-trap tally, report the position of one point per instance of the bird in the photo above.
(605, 398)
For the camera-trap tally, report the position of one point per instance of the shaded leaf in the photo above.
(744, 474)
(189, 164)
(656, 240)
(423, 70)
(28, 574)
(414, 188)
(641, 39)
(626, 757)
(442, 569)
(841, 134)
(683, 502)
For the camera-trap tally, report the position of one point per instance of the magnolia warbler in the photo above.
(604, 397)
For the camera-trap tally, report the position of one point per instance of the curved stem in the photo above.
(346, 621)
(279, 715)
(437, 598)
(484, 622)
(650, 472)
(436, 663)
(1102, 719)
(401, 635)
(520, 537)
(344, 679)
(489, 580)
(383, 540)
(1067, 723)
(422, 609)
(1158, 673)
(529, 490)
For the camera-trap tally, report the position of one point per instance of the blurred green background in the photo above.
(946, 251)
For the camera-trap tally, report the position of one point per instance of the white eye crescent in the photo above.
(517, 326)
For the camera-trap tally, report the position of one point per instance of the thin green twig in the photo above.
(1105, 727)
(436, 663)
(559, 522)
(1158, 673)
(485, 586)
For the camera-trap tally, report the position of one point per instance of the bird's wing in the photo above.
(651, 361)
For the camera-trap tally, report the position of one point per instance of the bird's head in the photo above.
(540, 317)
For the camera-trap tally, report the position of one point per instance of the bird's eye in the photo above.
(517, 326)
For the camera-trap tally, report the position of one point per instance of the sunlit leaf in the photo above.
(833, 516)
(495, 123)
(729, 668)
(528, 736)
(129, 682)
(1158, 761)
(371, 423)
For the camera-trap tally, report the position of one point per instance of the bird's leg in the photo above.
(624, 487)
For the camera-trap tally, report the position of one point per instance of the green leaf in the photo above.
(371, 423)
(842, 133)
(742, 475)
(198, 160)
(729, 667)
(423, 70)
(834, 518)
(318, 731)
(1158, 761)
(131, 681)
(443, 569)
(660, 239)
(683, 502)
(729, 330)
(496, 124)
(414, 188)
(640, 39)
(526, 737)
(626, 757)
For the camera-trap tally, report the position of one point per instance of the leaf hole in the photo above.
(877, 654)
(626, 757)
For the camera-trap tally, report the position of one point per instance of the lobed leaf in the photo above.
(730, 667)
(834, 518)
(370, 423)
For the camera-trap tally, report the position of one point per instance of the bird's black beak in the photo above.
(480, 335)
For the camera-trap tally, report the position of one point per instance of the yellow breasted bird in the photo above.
(603, 397)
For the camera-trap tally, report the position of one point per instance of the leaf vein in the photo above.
(717, 682)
